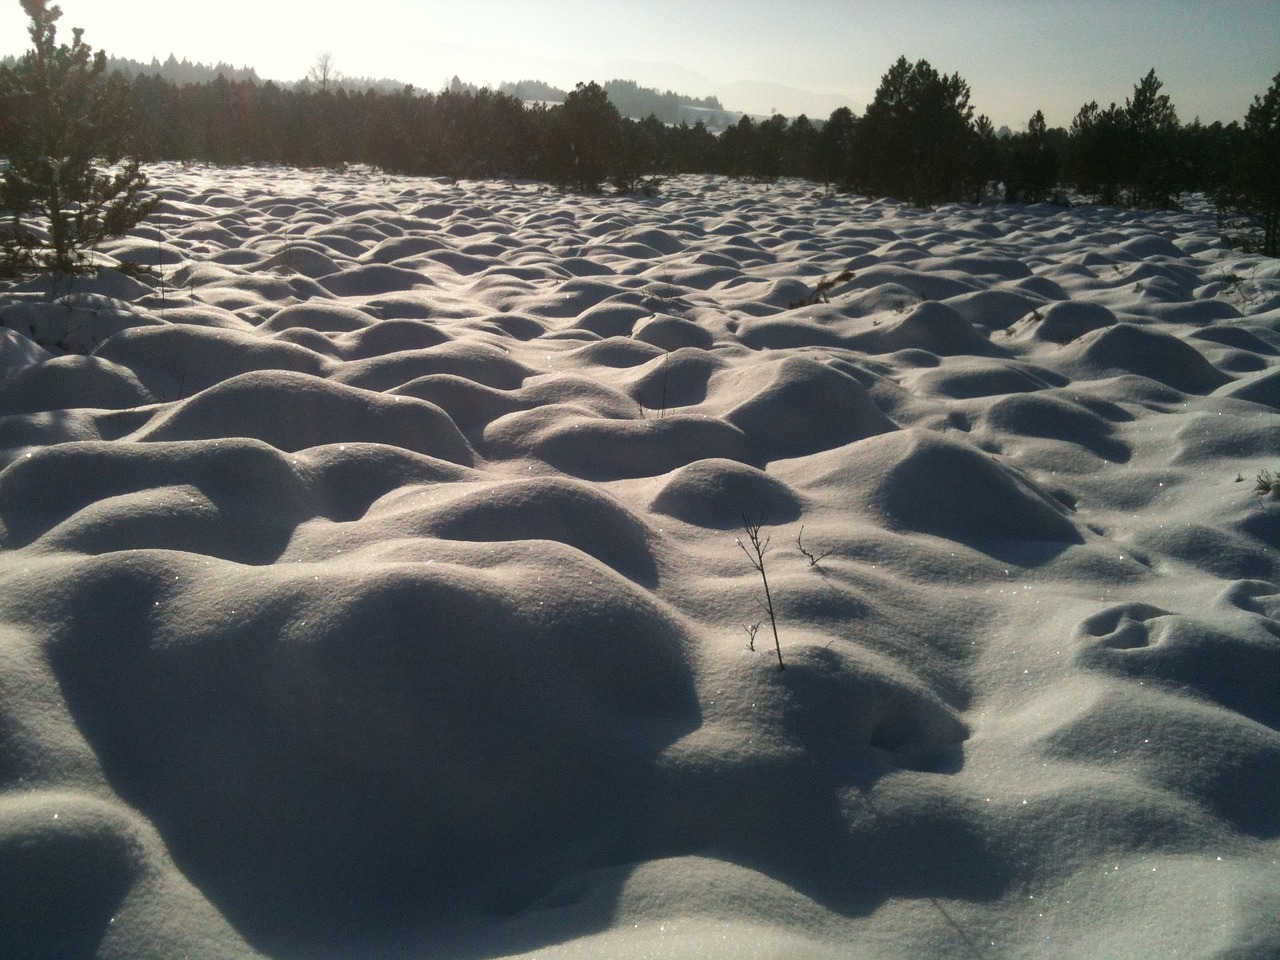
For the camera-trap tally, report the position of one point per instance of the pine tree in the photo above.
(835, 147)
(588, 125)
(1097, 155)
(66, 116)
(1254, 187)
(1260, 164)
(738, 148)
(982, 161)
(912, 134)
(640, 155)
(770, 147)
(1151, 127)
(1032, 163)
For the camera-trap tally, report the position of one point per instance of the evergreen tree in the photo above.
(1033, 161)
(1208, 154)
(1129, 154)
(1255, 188)
(769, 153)
(1096, 157)
(1151, 127)
(982, 160)
(588, 125)
(641, 155)
(835, 147)
(801, 149)
(694, 149)
(737, 148)
(914, 132)
(65, 116)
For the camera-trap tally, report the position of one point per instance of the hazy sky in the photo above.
(794, 56)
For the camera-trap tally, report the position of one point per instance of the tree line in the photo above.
(918, 141)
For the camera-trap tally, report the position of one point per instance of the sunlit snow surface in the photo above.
(370, 589)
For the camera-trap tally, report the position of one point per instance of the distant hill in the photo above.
(631, 99)
(175, 71)
(181, 72)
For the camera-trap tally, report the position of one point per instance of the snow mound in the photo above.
(372, 579)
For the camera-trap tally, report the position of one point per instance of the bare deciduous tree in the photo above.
(324, 71)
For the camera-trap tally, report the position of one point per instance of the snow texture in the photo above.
(369, 585)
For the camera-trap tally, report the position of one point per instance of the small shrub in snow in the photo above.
(813, 558)
(1267, 485)
(755, 553)
(819, 294)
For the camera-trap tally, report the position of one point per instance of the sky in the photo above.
(758, 56)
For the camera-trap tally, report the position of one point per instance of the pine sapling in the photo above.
(68, 164)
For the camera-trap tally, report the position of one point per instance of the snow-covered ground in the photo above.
(371, 589)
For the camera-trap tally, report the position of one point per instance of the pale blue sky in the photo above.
(756, 55)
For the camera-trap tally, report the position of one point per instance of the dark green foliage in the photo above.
(64, 117)
(763, 152)
(914, 132)
(1096, 160)
(738, 149)
(771, 147)
(691, 149)
(1151, 125)
(1209, 154)
(642, 155)
(586, 138)
(1254, 188)
(799, 146)
(835, 148)
(481, 134)
(980, 161)
(1129, 154)
(1033, 161)
(919, 141)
